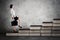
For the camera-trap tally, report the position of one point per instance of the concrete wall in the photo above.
(29, 11)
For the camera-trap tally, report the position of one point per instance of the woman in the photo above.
(12, 10)
(15, 24)
(15, 20)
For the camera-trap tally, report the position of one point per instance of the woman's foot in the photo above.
(20, 26)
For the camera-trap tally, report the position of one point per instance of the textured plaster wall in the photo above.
(29, 11)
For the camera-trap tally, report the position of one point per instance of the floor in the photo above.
(3, 37)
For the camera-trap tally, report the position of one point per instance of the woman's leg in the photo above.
(14, 28)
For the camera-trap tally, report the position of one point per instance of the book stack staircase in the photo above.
(51, 28)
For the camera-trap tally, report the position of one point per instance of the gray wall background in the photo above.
(29, 11)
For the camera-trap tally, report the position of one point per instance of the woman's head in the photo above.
(11, 5)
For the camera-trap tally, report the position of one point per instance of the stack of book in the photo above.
(46, 29)
(56, 27)
(35, 30)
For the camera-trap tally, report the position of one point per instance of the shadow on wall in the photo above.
(4, 16)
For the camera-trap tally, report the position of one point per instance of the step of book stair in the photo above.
(34, 29)
(48, 28)
(45, 34)
(47, 22)
(24, 29)
(55, 28)
(35, 25)
(16, 34)
(56, 19)
(55, 34)
(45, 29)
(24, 32)
(34, 34)
(56, 24)
(46, 25)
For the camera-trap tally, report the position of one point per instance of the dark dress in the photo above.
(14, 22)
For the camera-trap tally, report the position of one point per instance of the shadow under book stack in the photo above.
(46, 29)
(56, 27)
(35, 30)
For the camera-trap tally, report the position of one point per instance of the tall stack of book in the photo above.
(56, 27)
(24, 32)
(46, 29)
(21, 32)
(35, 30)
